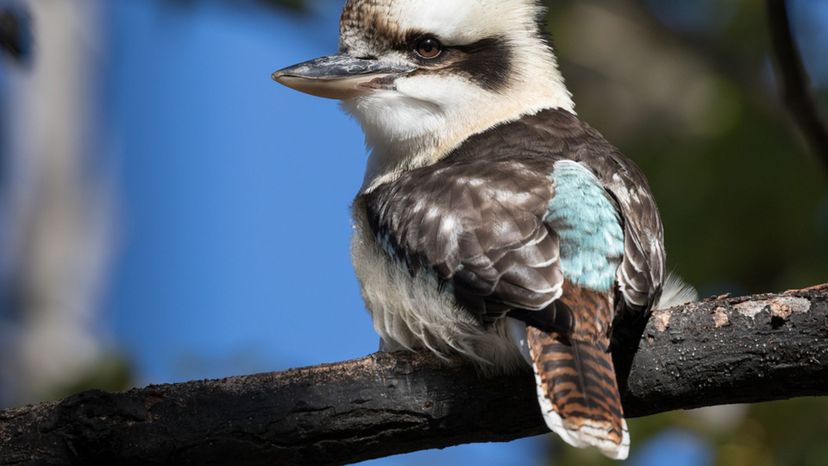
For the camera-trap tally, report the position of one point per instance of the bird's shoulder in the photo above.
(478, 217)
(513, 164)
(641, 273)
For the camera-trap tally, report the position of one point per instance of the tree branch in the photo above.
(15, 34)
(794, 82)
(724, 350)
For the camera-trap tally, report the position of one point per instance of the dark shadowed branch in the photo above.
(15, 34)
(724, 350)
(794, 82)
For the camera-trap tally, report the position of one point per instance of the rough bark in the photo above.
(723, 350)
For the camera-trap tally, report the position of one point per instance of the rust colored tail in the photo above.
(578, 393)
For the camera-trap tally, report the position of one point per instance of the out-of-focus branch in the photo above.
(794, 82)
(55, 210)
(728, 350)
(15, 38)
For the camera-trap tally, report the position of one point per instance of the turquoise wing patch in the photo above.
(588, 225)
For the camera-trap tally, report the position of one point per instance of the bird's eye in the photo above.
(428, 48)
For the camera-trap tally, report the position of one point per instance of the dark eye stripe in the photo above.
(487, 62)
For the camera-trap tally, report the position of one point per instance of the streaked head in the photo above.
(423, 75)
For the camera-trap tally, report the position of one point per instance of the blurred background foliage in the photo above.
(686, 89)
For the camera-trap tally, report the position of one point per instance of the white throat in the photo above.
(427, 117)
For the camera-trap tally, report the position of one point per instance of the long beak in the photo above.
(338, 76)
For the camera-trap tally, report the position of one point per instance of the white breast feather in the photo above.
(411, 312)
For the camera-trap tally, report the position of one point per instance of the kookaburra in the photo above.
(492, 223)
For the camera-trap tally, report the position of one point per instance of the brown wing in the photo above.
(476, 216)
(477, 223)
(641, 273)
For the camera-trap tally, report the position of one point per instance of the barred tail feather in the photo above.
(578, 393)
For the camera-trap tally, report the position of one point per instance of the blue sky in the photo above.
(234, 196)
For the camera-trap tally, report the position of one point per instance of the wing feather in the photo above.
(476, 216)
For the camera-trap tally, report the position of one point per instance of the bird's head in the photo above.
(423, 75)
